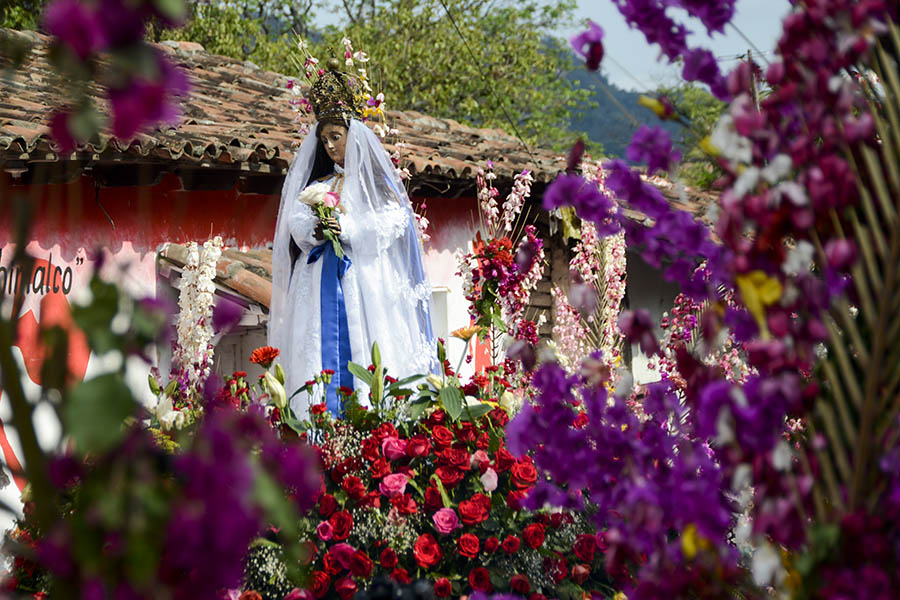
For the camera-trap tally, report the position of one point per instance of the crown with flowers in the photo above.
(335, 95)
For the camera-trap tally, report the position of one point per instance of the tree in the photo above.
(21, 14)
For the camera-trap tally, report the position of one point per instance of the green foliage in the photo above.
(701, 110)
(21, 14)
(96, 410)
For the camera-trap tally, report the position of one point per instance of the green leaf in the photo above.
(403, 382)
(474, 412)
(440, 486)
(360, 373)
(452, 399)
(175, 10)
(95, 410)
(417, 409)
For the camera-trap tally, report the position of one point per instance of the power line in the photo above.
(749, 41)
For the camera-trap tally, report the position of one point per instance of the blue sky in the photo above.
(627, 52)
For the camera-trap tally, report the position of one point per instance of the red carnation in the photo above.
(342, 522)
(491, 544)
(345, 588)
(354, 487)
(327, 505)
(360, 564)
(523, 474)
(319, 583)
(442, 587)
(318, 409)
(441, 436)
(511, 544)
(433, 500)
(468, 545)
(418, 447)
(426, 551)
(264, 356)
(473, 512)
(388, 558)
(534, 535)
(584, 547)
(520, 584)
(449, 476)
(499, 417)
(480, 580)
(400, 576)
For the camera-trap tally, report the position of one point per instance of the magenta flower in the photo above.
(445, 521)
(76, 26)
(393, 448)
(589, 44)
(59, 130)
(589, 202)
(637, 327)
(324, 530)
(393, 484)
(652, 145)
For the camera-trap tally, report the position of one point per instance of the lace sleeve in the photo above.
(374, 232)
(302, 223)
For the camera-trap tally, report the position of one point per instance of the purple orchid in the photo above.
(652, 145)
(589, 44)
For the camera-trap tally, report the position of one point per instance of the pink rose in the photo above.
(343, 553)
(393, 484)
(478, 457)
(331, 200)
(445, 520)
(489, 480)
(393, 448)
(298, 594)
(324, 531)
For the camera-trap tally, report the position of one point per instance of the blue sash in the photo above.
(335, 331)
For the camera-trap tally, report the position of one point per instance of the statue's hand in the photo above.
(331, 223)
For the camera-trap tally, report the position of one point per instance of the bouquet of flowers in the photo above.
(325, 204)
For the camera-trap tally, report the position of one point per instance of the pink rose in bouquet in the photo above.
(445, 520)
(393, 484)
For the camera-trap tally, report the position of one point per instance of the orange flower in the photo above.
(466, 333)
(264, 356)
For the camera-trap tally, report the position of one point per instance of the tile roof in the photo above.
(237, 115)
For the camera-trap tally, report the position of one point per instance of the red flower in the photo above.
(503, 460)
(523, 474)
(480, 580)
(556, 567)
(511, 544)
(520, 584)
(385, 430)
(455, 457)
(537, 596)
(331, 563)
(327, 505)
(373, 498)
(318, 409)
(468, 545)
(514, 499)
(442, 437)
(491, 544)
(370, 449)
(342, 522)
(449, 476)
(584, 547)
(405, 504)
(438, 417)
(360, 564)
(380, 468)
(580, 573)
(442, 587)
(388, 558)
(345, 587)
(426, 551)
(433, 500)
(264, 356)
(473, 512)
(465, 431)
(354, 487)
(418, 447)
(319, 583)
(250, 595)
(499, 417)
(400, 576)
(534, 535)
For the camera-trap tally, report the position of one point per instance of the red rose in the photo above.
(556, 567)
(380, 468)
(499, 417)
(370, 449)
(345, 588)
(584, 547)
(480, 580)
(442, 587)
(354, 487)
(405, 504)
(514, 499)
(426, 551)
(534, 535)
(441, 436)
(449, 476)
(360, 564)
(520, 584)
(388, 558)
(491, 544)
(438, 417)
(331, 564)
(580, 573)
(503, 460)
(537, 596)
(319, 583)
(484, 441)
(473, 512)
(511, 544)
(523, 474)
(385, 430)
(483, 500)
(250, 595)
(373, 498)
(342, 523)
(455, 457)
(400, 576)
(327, 505)
(468, 545)
(433, 500)
(418, 447)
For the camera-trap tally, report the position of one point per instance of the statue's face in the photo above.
(334, 138)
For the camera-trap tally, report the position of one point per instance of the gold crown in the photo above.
(332, 98)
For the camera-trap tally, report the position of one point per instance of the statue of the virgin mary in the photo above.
(328, 309)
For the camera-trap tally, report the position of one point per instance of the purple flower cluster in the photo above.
(589, 201)
(589, 44)
(652, 145)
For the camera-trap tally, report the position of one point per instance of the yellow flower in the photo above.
(692, 542)
(466, 333)
(661, 110)
(707, 146)
(759, 290)
(620, 596)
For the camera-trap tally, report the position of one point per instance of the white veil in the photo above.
(381, 239)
